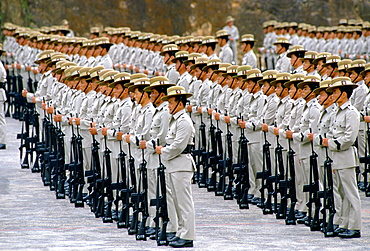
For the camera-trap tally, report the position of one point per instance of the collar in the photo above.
(257, 94)
(178, 114)
(285, 99)
(312, 102)
(345, 105)
(162, 106)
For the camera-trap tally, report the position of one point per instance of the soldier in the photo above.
(296, 52)
(357, 99)
(319, 62)
(331, 65)
(308, 123)
(2, 101)
(231, 29)
(226, 54)
(283, 110)
(282, 63)
(185, 76)
(208, 47)
(344, 132)
(308, 65)
(168, 51)
(247, 44)
(158, 131)
(252, 123)
(180, 165)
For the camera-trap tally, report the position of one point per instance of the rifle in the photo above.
(213, 158)
(313, 189)
(220, 163)
(106, 186)
(204, 155)
(279, 174)
(132, 228)
(93, 176)
(72, 181)
(122, 186)
(242, 184)
(291, 220)
(23, 136)
(11, 81)
(141, 199)
(79, 175)
(366, 160)
(264, 175)
(160, 203)
(18, 99)
(328, 195)
(36, 141)
(228, 191)
(61, 171)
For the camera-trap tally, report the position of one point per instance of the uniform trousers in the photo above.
(180, 185)
(349, 198)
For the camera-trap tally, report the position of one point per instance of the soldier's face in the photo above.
(355, 76)
(307, 65)
(278, 89)
(323, 96)
(172, 103)
(293, 91)
(267, 89)
(367, 78)
(198, 72)
(294, 61)
(252, 86)
(306, 91)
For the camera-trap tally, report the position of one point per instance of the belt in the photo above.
(187, 150)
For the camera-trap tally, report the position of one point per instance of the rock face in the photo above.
(179, 16)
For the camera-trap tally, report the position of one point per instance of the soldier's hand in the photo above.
(78, 121)
(127, 138)
(35, 71)
(276, 130)
(325, 142)
(210, 111)
(131, 67)
(189, 108)
(50, 110)
(34, 99)
(13, 65)
(217, 116)
(200, 109)
(93, 131)
(71, 120)
(43, 105)
(58, 117)
(104, 131)
(6, 67)
(119, 136)
(28, 68)
(289, 134)
(93, 124)
(265, 127)
(242, 123)
(310, 136)
(156, 73)
(146, 72)
(24, 93)
(124, 66)
(142, 144)
(137, 69)
(18, 66)
(367, 119)
(227, 119)
(158, 149)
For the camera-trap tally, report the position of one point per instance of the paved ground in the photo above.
(32, 219)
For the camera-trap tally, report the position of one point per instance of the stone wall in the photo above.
(179, 16)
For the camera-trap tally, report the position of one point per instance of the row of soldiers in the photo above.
(350, 39)
(235, 98)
